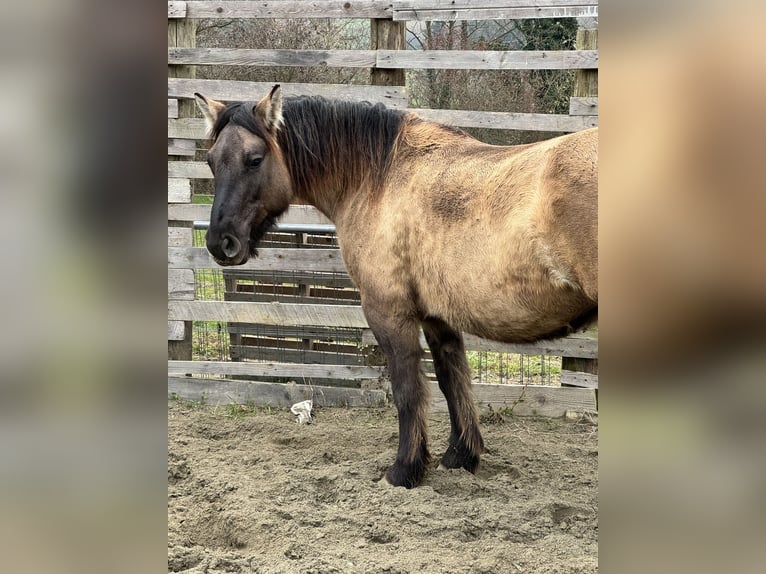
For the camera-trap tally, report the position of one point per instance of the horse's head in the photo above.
(252, 183)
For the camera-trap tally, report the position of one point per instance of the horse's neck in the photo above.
(326, 199)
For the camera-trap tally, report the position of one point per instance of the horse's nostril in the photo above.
(230, 246)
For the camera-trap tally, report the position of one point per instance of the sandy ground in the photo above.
(256, 492)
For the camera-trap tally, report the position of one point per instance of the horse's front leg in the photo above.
(398, 337)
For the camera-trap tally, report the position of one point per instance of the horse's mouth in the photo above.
(257, 232)
(241, 259)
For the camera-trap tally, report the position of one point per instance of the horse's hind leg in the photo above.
(399, 339)
(454, 375)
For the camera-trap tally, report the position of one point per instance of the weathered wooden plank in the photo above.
(579, 379)
(193, 128)
(239, 352)
(176, 331)
(584, 106)
(180, 237)
(509, 120)
(296, 214)
(268, 259)
(186, 148)
(189, 169)
(179, 190)
(224, 392)
(575, 345)
(231, 90)
(287, 58)
(301, 332)
(463, 4)
(181, 284)
(497, 13)
(176, 9)
(351, 372)
(290, 314)
(172, 108)
(411, 59)
(488, 59)
(291, 9)
(187, 128)
(526, 400)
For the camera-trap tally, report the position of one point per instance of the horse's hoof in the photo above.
(408, 476)
(460, 458)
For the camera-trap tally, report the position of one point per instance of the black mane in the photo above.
(347, 142)
(326, 142)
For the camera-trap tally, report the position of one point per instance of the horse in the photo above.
(437, 230)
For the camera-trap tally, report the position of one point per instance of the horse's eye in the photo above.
(254, 163)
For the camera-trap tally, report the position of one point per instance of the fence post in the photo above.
(586, 81)
(387, 35)
(182, 33)
(586, 85)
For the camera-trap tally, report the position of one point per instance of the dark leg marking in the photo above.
(399, 339)
(454, 375)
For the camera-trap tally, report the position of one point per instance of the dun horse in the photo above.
(437, 229)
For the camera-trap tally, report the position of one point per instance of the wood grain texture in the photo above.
(290, 9)
(172, 108)
(386, 58)
(488, 59)
(267, 313)
(181, 147)
(525, 400)
(181, 284)
(189, 170)
(193, 128)
(463, 4)
(176, 10)
(579, 379)
(287, 58)
(423, 15)
(350, 372)
(230, 90)
(180, 237)
(297, 214)
(224, 392)
(176, 331)
(269, 259)
(586, 81)
(179, 190)
(583, 106)
(509, 120)
(303, 356)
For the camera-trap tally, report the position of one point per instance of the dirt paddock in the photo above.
(252, 491)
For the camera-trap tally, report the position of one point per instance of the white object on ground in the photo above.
(303, 411)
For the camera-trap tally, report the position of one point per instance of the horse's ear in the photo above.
(269, 110)
(210, 108)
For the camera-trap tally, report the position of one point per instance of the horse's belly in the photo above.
(510, 315)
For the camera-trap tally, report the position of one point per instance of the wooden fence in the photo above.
(265, 296)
